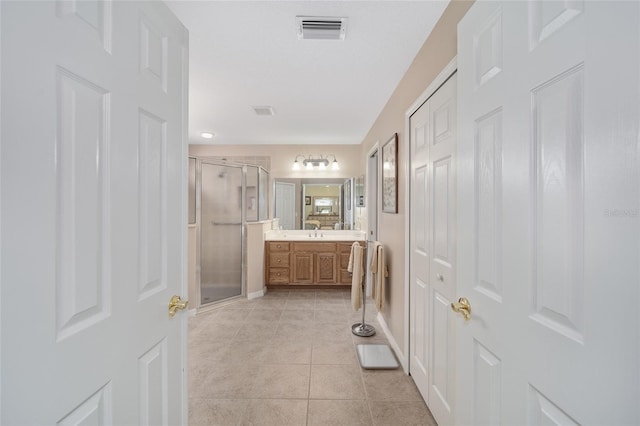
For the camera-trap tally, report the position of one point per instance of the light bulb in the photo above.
(296, 165)
(334, 165)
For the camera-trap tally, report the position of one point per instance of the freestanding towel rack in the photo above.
(363, 329)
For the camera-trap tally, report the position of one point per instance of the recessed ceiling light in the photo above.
(207, 135)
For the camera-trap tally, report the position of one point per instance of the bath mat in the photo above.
(376, 357)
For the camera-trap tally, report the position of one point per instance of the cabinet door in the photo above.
(302, 268)
(326, 268)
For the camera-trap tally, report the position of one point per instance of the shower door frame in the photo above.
(243, 223)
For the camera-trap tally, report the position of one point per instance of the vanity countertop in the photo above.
(313, 235)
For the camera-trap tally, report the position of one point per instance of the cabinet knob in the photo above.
(279, 260)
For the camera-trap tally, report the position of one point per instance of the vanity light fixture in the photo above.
(310, 162)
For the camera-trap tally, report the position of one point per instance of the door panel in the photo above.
(151, 162)
(488, 203)
(540, 260)
(442, 353)
(152, 381)
(95, 410)
(82, 242)
(559, 197)
(487, 383)
(92, 213)
(419, 342)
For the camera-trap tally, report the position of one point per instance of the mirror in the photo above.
(314, 203)
(360, 191)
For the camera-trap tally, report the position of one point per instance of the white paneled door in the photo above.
(548, 191)
(93, 213)
(432, 245)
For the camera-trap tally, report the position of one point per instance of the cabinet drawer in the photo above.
(278, 275)
(315, 247)
(278, 246)
(279, 260)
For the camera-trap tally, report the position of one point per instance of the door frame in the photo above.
(438, 81)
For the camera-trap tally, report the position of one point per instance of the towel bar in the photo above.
(363, 329)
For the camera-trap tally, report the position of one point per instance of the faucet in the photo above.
(315, 232)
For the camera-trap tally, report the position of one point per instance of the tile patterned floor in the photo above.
(289, 358)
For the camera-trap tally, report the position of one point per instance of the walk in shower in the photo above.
(228, 195)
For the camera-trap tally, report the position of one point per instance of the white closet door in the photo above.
(419, 294)
(432, 245)
(93, 213)
(548, 202)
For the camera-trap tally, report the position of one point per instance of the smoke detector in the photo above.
(321, 28)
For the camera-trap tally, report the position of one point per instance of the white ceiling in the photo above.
(245, 54)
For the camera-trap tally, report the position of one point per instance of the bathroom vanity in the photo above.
(309, 258)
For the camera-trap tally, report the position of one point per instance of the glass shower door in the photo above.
(221, 232)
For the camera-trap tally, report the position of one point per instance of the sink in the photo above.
(319, 235)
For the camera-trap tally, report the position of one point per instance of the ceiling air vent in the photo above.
(264, 110)
(321, 28)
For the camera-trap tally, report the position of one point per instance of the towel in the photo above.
(355, 267)
(380, 272)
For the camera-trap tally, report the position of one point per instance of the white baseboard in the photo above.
(256, 294)
(393, 343)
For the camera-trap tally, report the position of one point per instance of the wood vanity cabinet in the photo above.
(307, 263)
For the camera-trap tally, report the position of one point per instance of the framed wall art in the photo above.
(390, 175)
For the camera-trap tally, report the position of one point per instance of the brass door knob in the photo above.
(176, 303)
(462, 307)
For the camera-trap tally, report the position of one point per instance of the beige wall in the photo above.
(435, 54)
